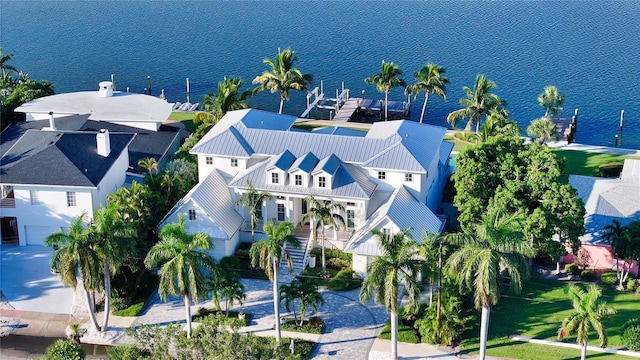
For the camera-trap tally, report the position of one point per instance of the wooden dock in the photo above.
(347, 110)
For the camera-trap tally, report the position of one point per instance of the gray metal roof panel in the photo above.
(329, 165)
(306, 163)
(445, 151)
(228, 143)
(282, 161)
(396, 157)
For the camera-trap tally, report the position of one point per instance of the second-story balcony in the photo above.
(8, 199)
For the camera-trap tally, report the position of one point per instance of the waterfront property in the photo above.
(390, 178)
(87, 145)
(607, 200)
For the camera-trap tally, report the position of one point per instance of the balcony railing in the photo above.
(8, 203)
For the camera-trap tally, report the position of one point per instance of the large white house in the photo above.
(389, 178)
(73, 151)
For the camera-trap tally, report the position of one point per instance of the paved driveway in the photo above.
(28, 284)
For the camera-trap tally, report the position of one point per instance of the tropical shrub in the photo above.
(452, 321)
(344, 280)
(230, 262)
(587, 275)
(127, 352)
(64, 350)
(631, 334)
(608, 170)
(609, 278)
(338, 263)
(572, 269)
(632, 284)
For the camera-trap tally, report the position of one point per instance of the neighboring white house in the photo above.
(49, 177)
(73, 151)
(390, 178)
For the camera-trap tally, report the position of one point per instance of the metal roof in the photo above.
(306, 163)
(282, 161)
(396, 157)
(349, 182)
(445, 151)
(213, 197)
(329, 165)
(402, 209)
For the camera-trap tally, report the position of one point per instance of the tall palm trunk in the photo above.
(424, 105)
(386, 105)
(276, 300)
(324, 262)
(92, 315)
(281, 103)
(583, 353)
(187, 308)
(439, 305)
(107, 296)
(484, 330)
(478, 124)
(394, 335)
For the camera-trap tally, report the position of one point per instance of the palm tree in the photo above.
(433, 249)
(429, 80)
(76, 256)
(253, 199)
(385, 80)
(228, 97)
(113, 240)
(148, 165)
(324, 213)
(544, 129)
(589, 312)
(282, 76)
(4, 63)
(478, 103)
(491, 253)
(304, 290)
(226, 285)
(551, 100)
(399, 263)
(182, 257)
(618, 238)
(267, 254)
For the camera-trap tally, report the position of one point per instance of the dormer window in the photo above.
(192, 215)
(408, 177)
(322, 181)
(275, 178)
(209, 160)
(382, 175)
(234, 162)
(298, 180)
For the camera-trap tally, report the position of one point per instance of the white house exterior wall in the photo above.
(223, 164)
(112, 180)
(147, 125)
(52, 204)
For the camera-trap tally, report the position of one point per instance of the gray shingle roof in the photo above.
(59, 158)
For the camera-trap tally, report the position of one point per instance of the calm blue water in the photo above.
(589, 49)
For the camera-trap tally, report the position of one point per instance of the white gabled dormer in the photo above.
(276, 169)
(300, 170)
(324, 172)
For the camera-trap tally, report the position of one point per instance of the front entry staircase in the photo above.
(300, 256)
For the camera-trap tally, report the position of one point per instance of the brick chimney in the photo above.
(103, 142)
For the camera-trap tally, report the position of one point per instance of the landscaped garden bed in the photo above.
(314, 325)
(236, 318)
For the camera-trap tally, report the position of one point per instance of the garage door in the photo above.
(37, 234)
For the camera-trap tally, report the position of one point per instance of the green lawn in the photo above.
(186, 118)
(458, 145)
(538, 312)
(586, 163)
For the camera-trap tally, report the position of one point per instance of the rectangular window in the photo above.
(71, 198)
(35, 197)
(382, 175)
(279, 197)
(322, 181)
(408, 177)
(298, 180)
(234, 162)
(259, 212)
(274, 178)
(351, 216)
(209, 160)
(280, 212)
(351, 204)
(192, 214)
